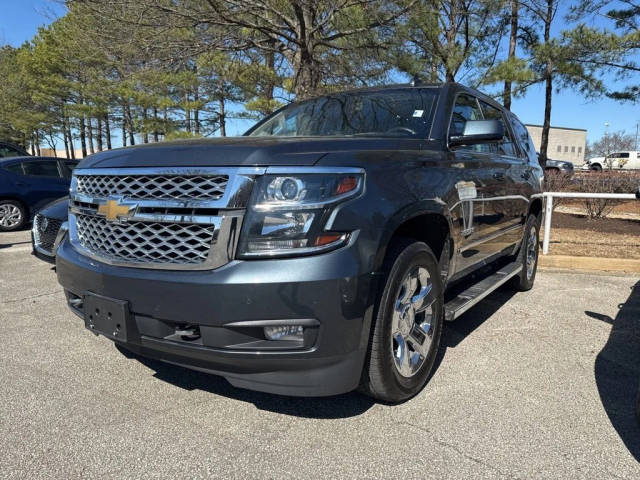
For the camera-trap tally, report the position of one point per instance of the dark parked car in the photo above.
(559, 166)
(49, 227)
(321, 251)
(9, 150)
(29, 183)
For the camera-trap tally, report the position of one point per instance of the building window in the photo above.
(573, 149)
(579, 149)
(559, 148)
(566, 149)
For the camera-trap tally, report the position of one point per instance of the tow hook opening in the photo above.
(187, 332)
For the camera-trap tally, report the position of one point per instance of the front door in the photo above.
(479, 209)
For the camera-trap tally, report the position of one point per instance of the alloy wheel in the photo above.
(10, 215)
(411, 324)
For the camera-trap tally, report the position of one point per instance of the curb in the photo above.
(590, 263)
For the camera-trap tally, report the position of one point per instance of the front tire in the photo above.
(12, 215)
(408, 325)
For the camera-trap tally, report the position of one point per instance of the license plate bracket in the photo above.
(107, 316)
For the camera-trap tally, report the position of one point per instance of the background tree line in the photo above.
(157, 69)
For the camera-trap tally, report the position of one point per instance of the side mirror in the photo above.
(478, 131)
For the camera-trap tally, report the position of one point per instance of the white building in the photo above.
(567, 144)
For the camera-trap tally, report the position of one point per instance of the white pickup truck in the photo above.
(614, 161)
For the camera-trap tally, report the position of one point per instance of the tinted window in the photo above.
(41, 168)
(522, 135)
(507, 147)
(396, 113)
(14, 168)
(7, 151)
(466, 108)
(620, 155)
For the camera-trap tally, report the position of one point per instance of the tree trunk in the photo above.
(64, 137)
(307, 75)
(196, 113)
(132, 140)
(124, 128)
(145, 134)
(548, 76)
(107, 130)
(83, 138)
(513, 38)
(72, 147)
(90, 134)
(222, 117)
(187, 114)
(99, 134)
(270, 63)
(155, 124)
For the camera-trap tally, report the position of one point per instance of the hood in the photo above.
(58, 209)
(595, 159)
(231, 151)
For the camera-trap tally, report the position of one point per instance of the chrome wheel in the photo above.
(10, 215)
(532, 252)
(411, 324)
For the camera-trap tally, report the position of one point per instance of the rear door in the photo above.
(480, 189)
(42, 181)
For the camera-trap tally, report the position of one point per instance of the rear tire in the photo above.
(12, 215)
(408, 325)
(528, 255)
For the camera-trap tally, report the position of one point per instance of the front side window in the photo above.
(507, 147)
(466, 109)
(15, 168)
(404, 112)
(41, 168)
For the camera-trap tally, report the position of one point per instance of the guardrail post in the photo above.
(547, 222)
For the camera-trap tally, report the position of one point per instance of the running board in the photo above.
(472, 295)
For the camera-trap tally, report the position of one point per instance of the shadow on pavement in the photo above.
(455, 332)
(617, 371)
(339, 406)
(11, 244)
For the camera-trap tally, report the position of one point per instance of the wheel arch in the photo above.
(411, 223)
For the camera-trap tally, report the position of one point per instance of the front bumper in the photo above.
(330, 293)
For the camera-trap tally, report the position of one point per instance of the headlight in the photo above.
(288, 214)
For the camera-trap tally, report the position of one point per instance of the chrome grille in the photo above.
(145, 242)
(45, 232)
(162, 187)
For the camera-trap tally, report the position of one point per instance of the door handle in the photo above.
(498, 176)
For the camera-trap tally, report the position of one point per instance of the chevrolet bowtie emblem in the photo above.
(113, 210)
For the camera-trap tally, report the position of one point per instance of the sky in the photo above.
(20, 19)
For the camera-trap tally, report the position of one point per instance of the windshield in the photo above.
(403, 112)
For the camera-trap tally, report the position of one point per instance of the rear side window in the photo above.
(7, 151)
(523, 137)
(507, 147)
(41, 168)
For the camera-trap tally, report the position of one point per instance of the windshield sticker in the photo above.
(418, 113)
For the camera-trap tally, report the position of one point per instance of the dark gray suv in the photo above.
(320, 252)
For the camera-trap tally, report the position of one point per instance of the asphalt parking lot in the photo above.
(530, 385)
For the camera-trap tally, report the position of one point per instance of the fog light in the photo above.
(284, 332)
